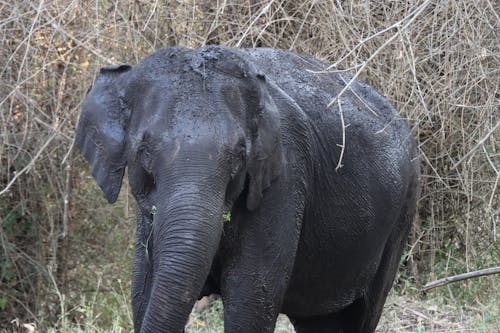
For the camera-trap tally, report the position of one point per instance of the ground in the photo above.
(401, 314)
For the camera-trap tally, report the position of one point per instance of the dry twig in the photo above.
(461, 277)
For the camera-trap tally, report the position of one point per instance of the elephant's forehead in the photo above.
(190, 124)
(191, 127)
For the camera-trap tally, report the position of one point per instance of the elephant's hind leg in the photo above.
(382, 283)
(363, 314)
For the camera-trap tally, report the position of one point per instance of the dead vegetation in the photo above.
(436, 61)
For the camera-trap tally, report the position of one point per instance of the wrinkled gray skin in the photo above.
(216, 129)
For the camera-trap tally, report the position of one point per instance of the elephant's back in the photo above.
(313, 85)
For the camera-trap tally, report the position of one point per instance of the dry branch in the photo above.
(460, 277)
(30, 165)
(480, 142)
(411, 17)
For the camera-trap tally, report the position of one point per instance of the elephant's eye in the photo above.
(239, 158)
(241, 145)
(236, 168)
(144, 157)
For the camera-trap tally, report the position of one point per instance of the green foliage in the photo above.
(104, 310)
(210, 320)
(16, 223)
(3, 303)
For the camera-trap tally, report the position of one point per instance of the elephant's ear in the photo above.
(100, 134)
(266, 160)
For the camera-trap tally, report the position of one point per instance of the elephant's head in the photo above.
(198, 131)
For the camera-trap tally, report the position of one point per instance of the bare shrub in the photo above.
(441, 70)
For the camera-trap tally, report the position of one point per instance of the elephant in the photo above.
(321, 197)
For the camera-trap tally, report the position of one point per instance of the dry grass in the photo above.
(437, 61)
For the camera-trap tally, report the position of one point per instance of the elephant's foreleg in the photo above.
(259, 263)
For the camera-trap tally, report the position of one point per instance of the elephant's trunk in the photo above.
(186, 233)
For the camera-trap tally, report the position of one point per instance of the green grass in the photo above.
(210, 320)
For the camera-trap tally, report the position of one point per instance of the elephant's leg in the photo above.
(258, 263)
(141, 277)
(363, 315)
(382, 283)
